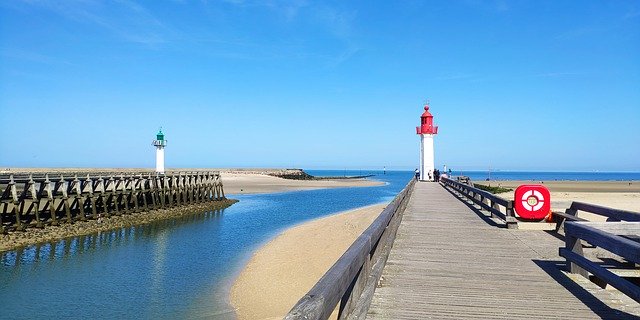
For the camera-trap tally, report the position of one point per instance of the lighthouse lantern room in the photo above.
(160, 143)
(427, 131)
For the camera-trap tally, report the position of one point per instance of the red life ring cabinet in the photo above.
(532, 201)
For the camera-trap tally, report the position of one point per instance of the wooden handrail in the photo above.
(486, 200)
(347, 281)
(607, 236)
(611, 213)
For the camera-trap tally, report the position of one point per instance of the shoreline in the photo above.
(281, 261)
(19, 239)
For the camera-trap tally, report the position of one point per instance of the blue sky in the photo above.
(513, 85)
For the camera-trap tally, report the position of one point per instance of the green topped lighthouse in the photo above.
(160, 143)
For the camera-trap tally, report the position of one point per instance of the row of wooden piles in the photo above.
(38, 200)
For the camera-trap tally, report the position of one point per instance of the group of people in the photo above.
(433, 175)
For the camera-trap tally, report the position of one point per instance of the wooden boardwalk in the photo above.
(449, 262)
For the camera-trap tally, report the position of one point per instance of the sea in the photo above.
(184, 267)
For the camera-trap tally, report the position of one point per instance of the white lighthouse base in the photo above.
(160, 160)
(427, 163)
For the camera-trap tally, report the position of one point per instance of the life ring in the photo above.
(532, 202)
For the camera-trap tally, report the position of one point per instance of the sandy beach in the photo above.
(243, 183)
(615, 194)
(284, 269)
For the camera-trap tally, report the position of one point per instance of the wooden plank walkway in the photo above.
(449, 262)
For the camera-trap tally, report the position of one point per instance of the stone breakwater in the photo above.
(17, 239)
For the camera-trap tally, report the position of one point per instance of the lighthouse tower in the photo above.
(160, 143)
(427, 131)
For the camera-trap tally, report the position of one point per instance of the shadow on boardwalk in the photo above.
(554, 270)
(475, 210)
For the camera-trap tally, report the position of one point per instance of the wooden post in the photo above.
(153, 191)
(66, 187)
(494, 205)
(50, 200)
(142, 182)
(510, 218)
(573, 244)
(16, 203)
(94, 211)
(79, 198)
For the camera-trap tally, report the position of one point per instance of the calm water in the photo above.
(180, 268)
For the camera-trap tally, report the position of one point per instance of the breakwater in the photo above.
(41, 199)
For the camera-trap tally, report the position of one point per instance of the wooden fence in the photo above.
(488, 201)
(352, 279)
(620, 235)
(38, 200)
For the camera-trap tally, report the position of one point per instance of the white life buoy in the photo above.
(532, 200)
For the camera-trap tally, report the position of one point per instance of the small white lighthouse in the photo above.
(160, 143)
(427, 131)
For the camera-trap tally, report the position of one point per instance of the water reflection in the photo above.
(78, 245)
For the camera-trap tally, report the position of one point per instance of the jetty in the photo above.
(451, 251)
(41, 199)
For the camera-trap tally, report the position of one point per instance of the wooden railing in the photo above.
(620, 235)
(352, 279)
(486, 200)
(571, 213)
(619, 238)
(42, 199)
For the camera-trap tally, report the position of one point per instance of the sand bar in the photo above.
(284, 269)
(242, 183)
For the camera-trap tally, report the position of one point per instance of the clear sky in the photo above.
(513, 85)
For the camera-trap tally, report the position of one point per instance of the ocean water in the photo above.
(174, 269)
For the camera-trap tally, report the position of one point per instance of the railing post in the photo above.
(510, 218)
(574, 245)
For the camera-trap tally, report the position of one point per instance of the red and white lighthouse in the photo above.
(427, 131)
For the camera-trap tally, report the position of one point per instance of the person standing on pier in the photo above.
(417, 174)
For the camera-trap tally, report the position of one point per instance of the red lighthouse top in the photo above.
(426, 123)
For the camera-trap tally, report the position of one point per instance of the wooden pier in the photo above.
(36, 200)
(449, 262)
(451, 251)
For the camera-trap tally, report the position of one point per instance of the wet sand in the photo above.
(244, 183)
(284, 269)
